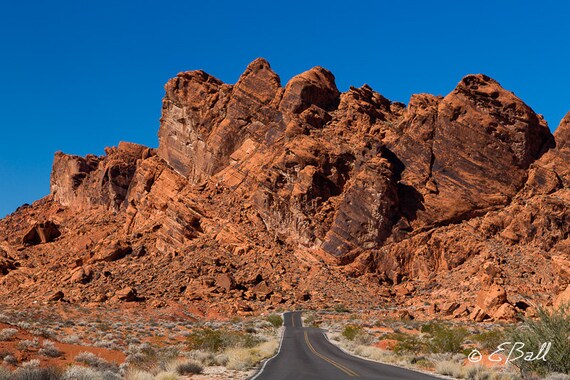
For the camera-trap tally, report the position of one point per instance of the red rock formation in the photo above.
(265, 195)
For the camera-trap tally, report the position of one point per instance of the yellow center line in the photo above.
(292, 321)
(344, 369)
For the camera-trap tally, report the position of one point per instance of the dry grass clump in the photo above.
(472, 372)
(245, 358)
(449, 368)
(137, 374)
(166, 376)
(189, 367)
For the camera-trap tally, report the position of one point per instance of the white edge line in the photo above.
(436, 375)
(278, 351)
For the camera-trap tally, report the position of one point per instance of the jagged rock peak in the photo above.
(313, 87)
(259, 81)
(562, 133)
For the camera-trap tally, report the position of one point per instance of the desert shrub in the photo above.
(409, 344)
(44, 332)
(5, 374)
(557, 376)
(340, 308)
(351, 331)
(24, 325)
(205, 339)
(363, 338)
(491, 339)
(96, 362)
(28, 345)
(148, 357)
(10, 359)
(189, 367)
(75, 372)
(33, 363)
(550, 326)
(275, 319)
(239, 339)
(70, 339)
(311, 320)
(443, 338)
(30, 373)
(205, 358)
(421, 362)
(137, 374)
(371, 352)
(167, 376)
(7, 334)
(49, 349)
(218, 340)
(221, 359)
(476, 372)
(110, 344)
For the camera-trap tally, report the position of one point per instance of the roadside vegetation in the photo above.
(443, 346)
(550, 326)
(131, 348)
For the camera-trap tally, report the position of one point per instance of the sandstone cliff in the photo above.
(266, 195)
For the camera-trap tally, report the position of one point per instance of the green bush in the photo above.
(340, 308)
(490, 340)
(275, 320)
(36, 374)
(550, 326)
(205, 339)
(443, 338)
(351, 331)
(236, 339)
(409, 344)
(312, 321)
(218, 340)
(438, 338)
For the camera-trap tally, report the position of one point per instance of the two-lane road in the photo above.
(306, 354)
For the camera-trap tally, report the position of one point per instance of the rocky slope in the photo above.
(268, 196)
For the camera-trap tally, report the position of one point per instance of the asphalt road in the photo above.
(306, 354)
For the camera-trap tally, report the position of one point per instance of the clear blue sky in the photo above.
(77, 76)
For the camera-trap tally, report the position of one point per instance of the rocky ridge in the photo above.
(268, 196)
